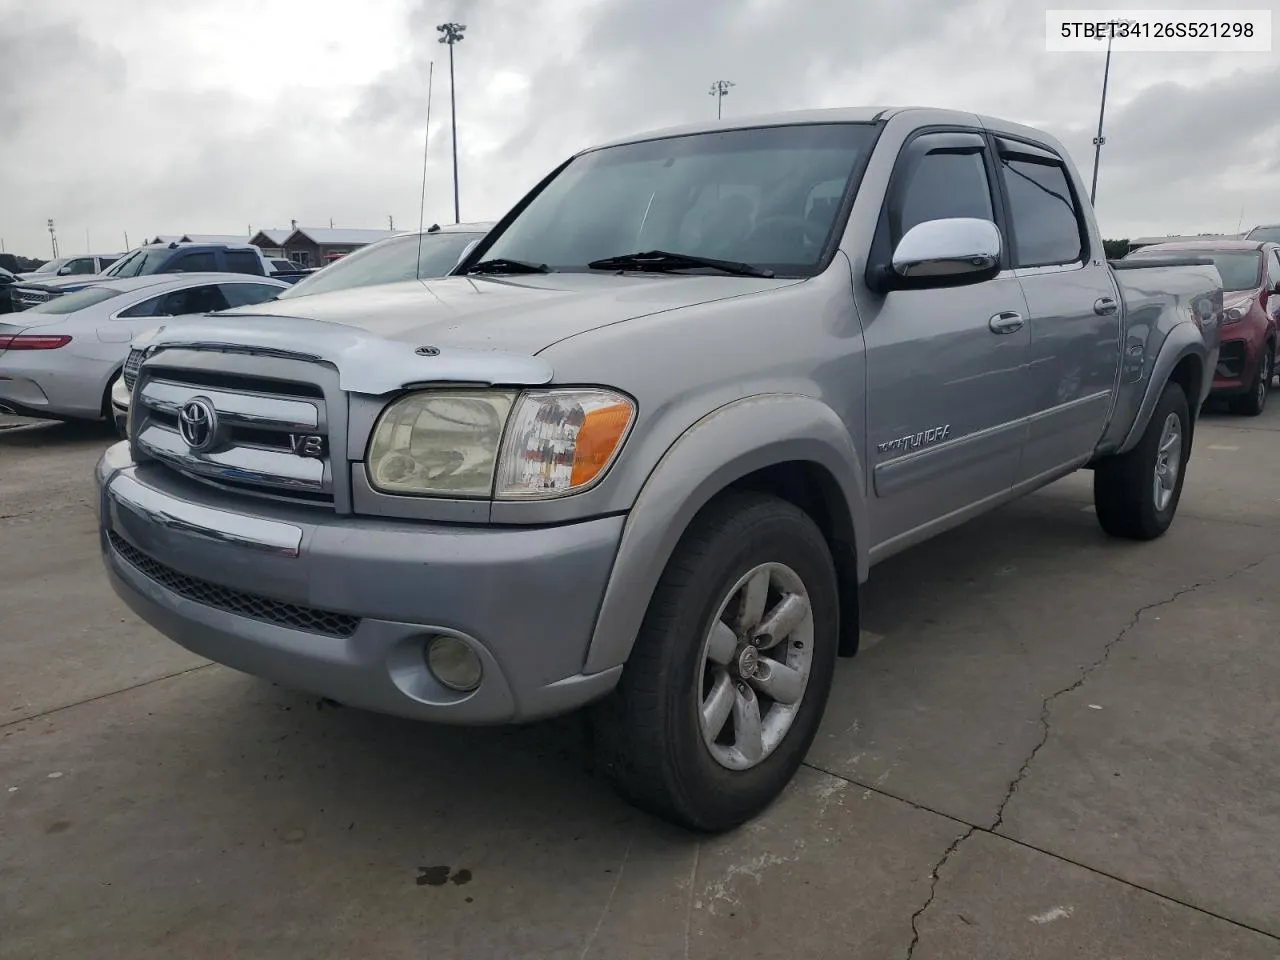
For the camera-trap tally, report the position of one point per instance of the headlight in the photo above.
(1236, 312)
(120, 394)
(491, 443)
(561, 441)
(443, 443)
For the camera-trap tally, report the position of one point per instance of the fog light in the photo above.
(454, 664)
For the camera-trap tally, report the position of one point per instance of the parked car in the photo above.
(641, 450)
(401, 258)
(409, 256)
(59, 358)
(85, 265)
(1268, 233)
(7, 280)
(1250, 271)
(152, 259)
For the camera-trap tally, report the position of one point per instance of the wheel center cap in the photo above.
(748, 662)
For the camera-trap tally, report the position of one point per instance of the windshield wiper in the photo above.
(503, 265)
(662, 260)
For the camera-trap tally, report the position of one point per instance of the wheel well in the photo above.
(812, 488)
(1188, 375)
(106, 394)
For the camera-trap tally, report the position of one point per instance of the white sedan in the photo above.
(59, 359)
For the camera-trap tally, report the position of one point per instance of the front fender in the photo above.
(726, 445)
(1184, 340)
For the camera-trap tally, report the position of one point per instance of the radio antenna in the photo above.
(426, 142)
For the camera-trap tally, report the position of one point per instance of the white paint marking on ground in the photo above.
(867, 640)
(1057, 913)
(1095, 706)
(1218, 446)
(54, 776)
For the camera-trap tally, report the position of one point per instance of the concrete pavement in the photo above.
(1053, 745)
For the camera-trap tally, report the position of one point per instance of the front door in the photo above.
(1074, 310)
(946, 398)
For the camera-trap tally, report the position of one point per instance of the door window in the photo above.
(204, 262)
(1045, 218)
(945, 182)
(82, 266)
(243, 261)
(247, 294)
(176, 303)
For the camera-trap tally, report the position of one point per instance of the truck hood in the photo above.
(525, 314)
(59, 284)
(455, 329)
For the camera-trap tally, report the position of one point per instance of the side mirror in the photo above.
(946, 253)
(64, 270)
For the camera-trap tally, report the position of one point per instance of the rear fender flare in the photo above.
(1184, 340)
(726, 445)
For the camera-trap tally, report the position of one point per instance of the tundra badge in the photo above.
(916, 440)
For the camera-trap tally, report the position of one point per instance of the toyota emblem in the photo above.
(198, 424)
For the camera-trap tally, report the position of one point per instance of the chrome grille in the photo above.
(270, 437)
(291, 615)
(131, 365)
(24, 298)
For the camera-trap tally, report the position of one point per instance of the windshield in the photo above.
(140, 263)
(52, 266)
(71, 302)
(767, 197)
(387, 261)
(1239, 270)
(1265, 234)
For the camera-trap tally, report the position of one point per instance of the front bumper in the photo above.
(342, 606)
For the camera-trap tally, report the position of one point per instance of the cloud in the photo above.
(157, 117)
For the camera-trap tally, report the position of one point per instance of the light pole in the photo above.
(451, 33)
(1099, 140)
(53, 238)
(718, 90)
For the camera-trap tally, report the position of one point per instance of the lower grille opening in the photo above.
(1231, 359)
(291, 615)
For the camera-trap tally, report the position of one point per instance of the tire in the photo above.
(1124, 486)
(648, 734)
(1252, 404)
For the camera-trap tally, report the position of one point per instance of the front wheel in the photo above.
(1136, 494)
(1254, 402)
(726, 685)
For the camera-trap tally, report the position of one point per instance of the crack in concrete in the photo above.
(933, 888)
(1046, 708)
(1046, 705)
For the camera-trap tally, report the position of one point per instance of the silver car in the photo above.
(427, 255)
(58, 359)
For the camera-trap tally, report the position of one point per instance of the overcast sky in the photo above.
(167, 116)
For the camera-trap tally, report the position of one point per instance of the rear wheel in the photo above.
(727, 682)
(1251, 404)
(1136, 494)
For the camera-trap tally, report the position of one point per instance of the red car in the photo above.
(1250, 272)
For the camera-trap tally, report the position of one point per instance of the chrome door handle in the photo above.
(1104, 306)
(1006, 322)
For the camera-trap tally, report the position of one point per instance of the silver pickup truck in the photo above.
(642, 450)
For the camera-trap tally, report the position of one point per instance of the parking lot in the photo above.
(1052, 745)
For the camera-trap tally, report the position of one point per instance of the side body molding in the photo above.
(724, 446)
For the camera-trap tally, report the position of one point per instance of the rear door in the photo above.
(1073, 304)
(946, 395)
